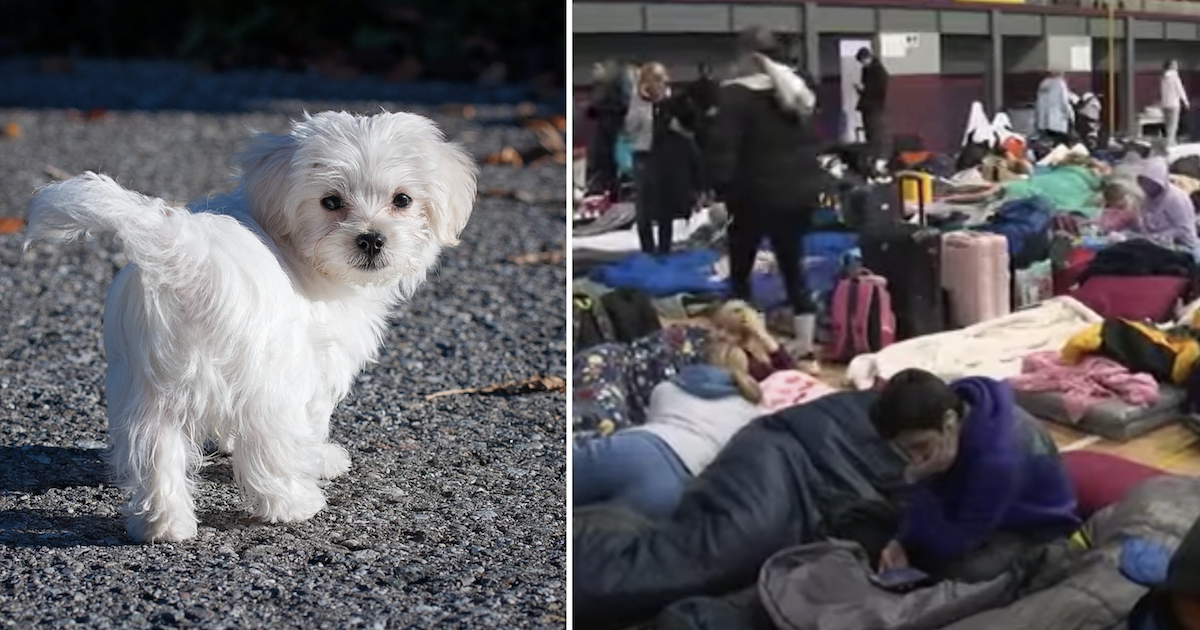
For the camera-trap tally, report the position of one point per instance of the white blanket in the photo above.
(993, 348)
(627, 240)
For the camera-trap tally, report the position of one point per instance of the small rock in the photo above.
(366, 555)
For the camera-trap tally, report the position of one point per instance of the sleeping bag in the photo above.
(825, 585)
(1065, 188)
(781, 481)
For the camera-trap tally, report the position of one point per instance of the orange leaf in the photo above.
(12, 130)
(507, 155)
(11, 225)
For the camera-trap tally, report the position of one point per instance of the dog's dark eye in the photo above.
(332, 202)
(402, 201)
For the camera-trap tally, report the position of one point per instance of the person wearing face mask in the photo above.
(1167, 215)
(980, 467)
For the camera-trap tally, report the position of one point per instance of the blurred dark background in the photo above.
(485, 43)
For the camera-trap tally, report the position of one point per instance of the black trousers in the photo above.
(650, 213)
(785, 231)
(875, 133)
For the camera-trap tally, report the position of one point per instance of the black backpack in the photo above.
(631, 313)
(589, 322)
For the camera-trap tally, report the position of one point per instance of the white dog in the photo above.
(245, 323)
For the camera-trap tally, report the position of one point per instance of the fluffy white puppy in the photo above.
(246, 321)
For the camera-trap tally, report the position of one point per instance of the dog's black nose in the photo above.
(371, 243)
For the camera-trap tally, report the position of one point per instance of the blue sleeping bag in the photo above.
(659, 276)
(829, 244)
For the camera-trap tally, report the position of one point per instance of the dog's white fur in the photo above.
(245, 323)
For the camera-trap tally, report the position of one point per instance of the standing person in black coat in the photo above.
(607, 111)
(706, 93)
(872, 100)
(762, 160)
(676, 164)
(653, 87)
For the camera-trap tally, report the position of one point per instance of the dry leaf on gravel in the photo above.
(507, 156)
(548, 136)
(56, 173)
(11, 225)
(539, 383)
(12, 130)
(553, 257)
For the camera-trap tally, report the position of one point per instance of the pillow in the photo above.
(1137, 298)
(1101, 479)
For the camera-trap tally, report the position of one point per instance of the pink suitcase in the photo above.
(976, 277)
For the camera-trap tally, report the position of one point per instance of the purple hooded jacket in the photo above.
(1168, 217)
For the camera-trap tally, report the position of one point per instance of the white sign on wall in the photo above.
(893, 45)
(1081, 59)
(898, 45)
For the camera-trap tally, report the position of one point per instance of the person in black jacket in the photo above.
(676, 163)
(872, 100)
(705, 94)
(607, 110)
(762, 161)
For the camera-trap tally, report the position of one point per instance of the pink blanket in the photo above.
(1094, 380)
(788, 388)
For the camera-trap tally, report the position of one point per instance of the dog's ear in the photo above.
(265, 164)
(452, 191)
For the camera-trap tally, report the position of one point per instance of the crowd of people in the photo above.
(980, 471)
(750, 142)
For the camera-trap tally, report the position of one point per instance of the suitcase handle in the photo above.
(916, 178)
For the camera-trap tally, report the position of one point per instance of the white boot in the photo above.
(804, 329)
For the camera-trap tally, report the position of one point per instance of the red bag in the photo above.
(1101, 479)
(862, 320)
(1137, 298)
(1067, 270)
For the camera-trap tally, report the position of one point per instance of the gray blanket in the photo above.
(824, 586)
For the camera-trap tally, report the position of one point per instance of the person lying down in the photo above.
(690, 419)
(982, 473)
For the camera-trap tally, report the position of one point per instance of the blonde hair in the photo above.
(734, 344)
(650, 72)
(726, 355)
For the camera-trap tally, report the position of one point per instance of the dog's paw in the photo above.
(300, 503)
(335, 461)
(165, 528)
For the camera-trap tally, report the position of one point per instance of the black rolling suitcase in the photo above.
(868, 207)
(910, 258)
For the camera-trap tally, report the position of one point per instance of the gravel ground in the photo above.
(453, 513)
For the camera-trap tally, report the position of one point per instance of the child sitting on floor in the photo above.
(979, 467)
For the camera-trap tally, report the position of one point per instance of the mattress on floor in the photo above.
(1114, 420)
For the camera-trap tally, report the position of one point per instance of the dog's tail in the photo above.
(95, 204)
